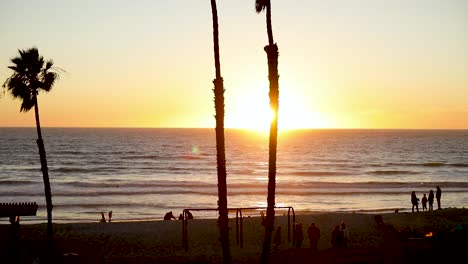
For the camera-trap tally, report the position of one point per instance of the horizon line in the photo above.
(234, 128)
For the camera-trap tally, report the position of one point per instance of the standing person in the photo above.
(313, 233)
(438, 195)
(431, 200)
(414, 201)
(298, 235)
(345, 232)
(110, 216)
(337, 237)
(424, 202)
(103, 218)
(277, 239)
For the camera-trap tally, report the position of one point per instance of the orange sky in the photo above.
(365, 64)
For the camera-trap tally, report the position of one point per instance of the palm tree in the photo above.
(220, 153)
(272, 54)
(32, 73)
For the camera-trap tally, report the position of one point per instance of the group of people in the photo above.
(313, 234)
(340, 236)
(426, 199)
(103, 218)
(170, 216)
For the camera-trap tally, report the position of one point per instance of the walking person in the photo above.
(414, 201)
(424, 202)
(103, 218)
(438, 196)
(431, 200)
(313, 233)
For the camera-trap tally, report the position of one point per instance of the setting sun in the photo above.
(250, 115)
(256, 114)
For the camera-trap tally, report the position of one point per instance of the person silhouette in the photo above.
(313, 233)
(337, 237)
(110, 216)
(414, 201)
(169, 216)
(298, 235)
(438, 196)
(430, 199)
(345, 231)
(424, 202)
(189, 215)
(277, 239)
(103, 218)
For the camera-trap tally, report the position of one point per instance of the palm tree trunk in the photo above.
(45, 171)
(220, 148)
(268, 23)
(272, 55)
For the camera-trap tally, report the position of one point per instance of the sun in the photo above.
(251, 117)
(255, 114)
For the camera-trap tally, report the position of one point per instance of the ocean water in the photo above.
(140, 174)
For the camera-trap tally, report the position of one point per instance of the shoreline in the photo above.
(113, 242)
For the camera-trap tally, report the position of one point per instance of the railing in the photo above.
(239, 225)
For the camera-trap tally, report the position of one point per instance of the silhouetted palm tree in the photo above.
(31, 74)
(220, 150)
(272, 54)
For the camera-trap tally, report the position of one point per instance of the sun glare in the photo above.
(250, 118)
(257, 115)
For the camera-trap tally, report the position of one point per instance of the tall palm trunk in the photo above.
(44, 169)
(272, 55)
(220, 149)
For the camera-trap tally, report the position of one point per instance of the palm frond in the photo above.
(27, 104)
(31, 73)
(49, 65)
(48, 81)
(260, 5)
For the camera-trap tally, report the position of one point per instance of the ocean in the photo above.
(140, 174)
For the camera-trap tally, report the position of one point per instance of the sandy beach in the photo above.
(400, 239)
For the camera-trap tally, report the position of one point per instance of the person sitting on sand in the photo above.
(431, 200)
(414, 201)
(169, 216)
(424, 202)
(103, 218)
(189, 215)
(313, 233)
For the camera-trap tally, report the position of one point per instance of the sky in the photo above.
(145, 63)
